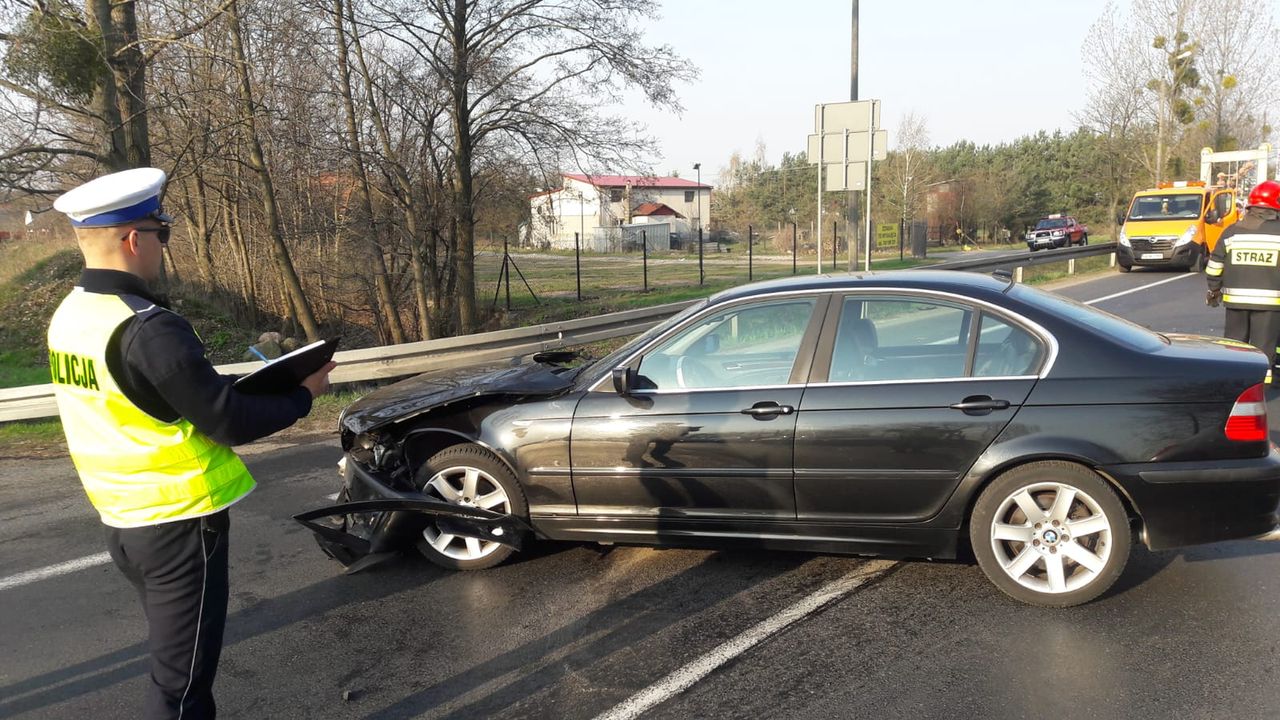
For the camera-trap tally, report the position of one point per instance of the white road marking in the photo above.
(682, 679)
(1140, 287)
(70, 566)
(331, 497)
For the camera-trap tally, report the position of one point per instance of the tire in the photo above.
(1197, 264)
(1084, 239)
(446, 476)
(1020, 552)
(1123, 268)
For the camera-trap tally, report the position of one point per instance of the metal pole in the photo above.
(793, 247)
(644, 249)
(577, 264)
(701, 277)
(835, 243)
(750, 257)
(506, 258)
(821, 147)
(871, 153)
(853, 55)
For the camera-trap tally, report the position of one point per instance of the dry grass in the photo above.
(17, 256)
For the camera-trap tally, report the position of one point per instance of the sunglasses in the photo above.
(162, 233)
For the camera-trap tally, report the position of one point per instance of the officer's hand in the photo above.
(318, 381)
(1213, 298)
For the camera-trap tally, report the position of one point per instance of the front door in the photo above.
(907, 392)
(708, 432)
(1224, 202)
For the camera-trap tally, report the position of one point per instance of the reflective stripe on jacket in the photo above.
(136, 470)
(1245, 266)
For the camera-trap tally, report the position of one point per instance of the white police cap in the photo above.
(115, 199)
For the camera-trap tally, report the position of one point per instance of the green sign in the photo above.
(887, 235)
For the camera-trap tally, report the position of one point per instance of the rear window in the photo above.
(1100, 321)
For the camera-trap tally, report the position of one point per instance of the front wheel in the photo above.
(1123, 268)
(471, 476)
(1050, 533)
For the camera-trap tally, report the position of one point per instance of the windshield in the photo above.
(1051, 224)
(1102, 322)
(1166, 207)
(598, 369)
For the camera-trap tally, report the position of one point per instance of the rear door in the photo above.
(906, 392)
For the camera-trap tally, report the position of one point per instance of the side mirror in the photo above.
(1212, 217)
(623, 380)
(1120, 218)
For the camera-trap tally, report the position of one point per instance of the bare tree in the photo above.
(531, 72)
(908, 169)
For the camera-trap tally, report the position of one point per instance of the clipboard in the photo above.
(288, 371)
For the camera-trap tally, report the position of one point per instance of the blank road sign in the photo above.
(836, 178)
(832, 147)
(850, 116)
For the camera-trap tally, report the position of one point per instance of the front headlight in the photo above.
(1187, 235)
(1124, 239)
(1058, 233)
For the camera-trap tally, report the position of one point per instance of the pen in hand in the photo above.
(258, 352)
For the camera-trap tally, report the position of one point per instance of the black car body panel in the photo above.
(883, 464)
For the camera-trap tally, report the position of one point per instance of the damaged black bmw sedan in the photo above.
(905, 414)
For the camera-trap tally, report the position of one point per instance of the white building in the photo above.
(609, 211)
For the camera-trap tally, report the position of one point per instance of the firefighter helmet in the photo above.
(1266, 194)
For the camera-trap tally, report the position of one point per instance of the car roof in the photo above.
(954, 281)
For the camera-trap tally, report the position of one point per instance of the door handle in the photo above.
(768, 409)
(980, 404)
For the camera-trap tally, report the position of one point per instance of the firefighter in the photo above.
(1244, 272)
(149, 422)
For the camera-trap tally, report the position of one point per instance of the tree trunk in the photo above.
(382, 285)
(291, 285)
(231, 221)
(409, 204)
(463, 183)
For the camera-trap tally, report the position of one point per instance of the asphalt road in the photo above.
(572, 631)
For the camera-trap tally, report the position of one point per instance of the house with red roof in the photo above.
(606, 210)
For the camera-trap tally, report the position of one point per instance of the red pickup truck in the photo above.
(1057, 231)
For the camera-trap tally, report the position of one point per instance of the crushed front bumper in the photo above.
(373, 521)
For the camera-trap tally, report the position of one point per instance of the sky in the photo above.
(982, 70)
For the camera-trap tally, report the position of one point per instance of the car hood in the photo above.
(1149, 228)
(417, 395)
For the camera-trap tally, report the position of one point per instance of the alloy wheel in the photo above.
(469, 487)
(1051, 537)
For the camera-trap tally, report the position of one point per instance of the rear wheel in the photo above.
(1084, 238)
(1050, 533)
(471, 476)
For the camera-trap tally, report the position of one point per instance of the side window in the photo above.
(1005, 350)
(744, 346)
(899, 339)
(1223, 204)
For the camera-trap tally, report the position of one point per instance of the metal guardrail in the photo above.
(378, 363)
(36, 401)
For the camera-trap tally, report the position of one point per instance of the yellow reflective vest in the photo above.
(137, 470)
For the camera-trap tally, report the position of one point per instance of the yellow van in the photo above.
(1175, 224)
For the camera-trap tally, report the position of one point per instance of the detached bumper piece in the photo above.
(363, 533)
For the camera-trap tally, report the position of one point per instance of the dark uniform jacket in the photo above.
(1245, 265)
(160, 365)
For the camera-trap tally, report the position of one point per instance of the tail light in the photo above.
(1248, 419)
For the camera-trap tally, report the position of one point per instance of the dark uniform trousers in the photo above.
(1259, 328)
(180, 571)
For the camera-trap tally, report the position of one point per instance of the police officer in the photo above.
(1244, 272)
(149, 423)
